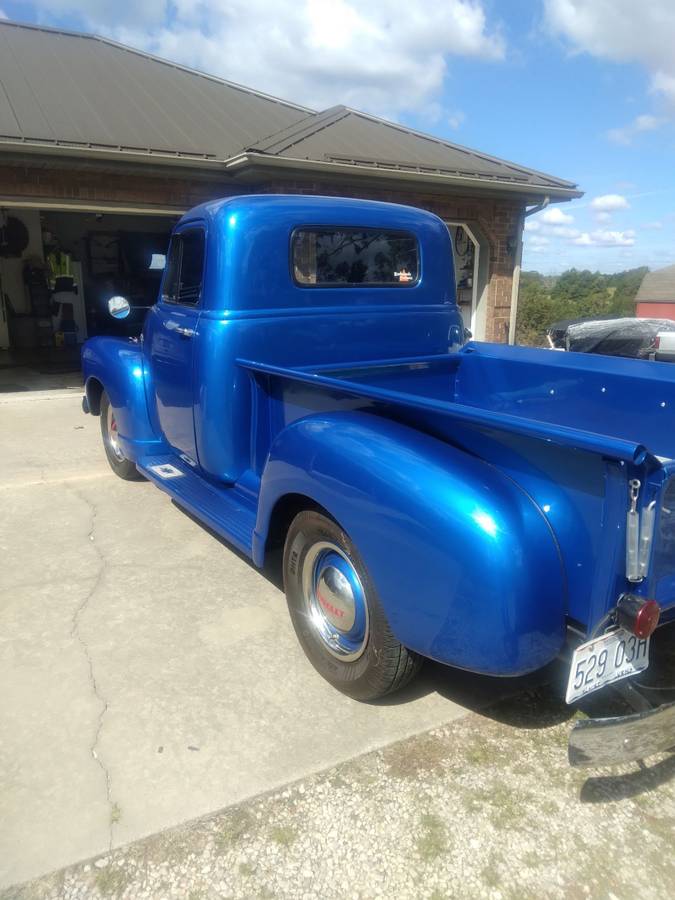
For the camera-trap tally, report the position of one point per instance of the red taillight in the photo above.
(637, 615)
(647, 619)
(657, 342)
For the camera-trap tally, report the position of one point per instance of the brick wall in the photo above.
(499, 219)
(115, 187)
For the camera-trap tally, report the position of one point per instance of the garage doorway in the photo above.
(470, 257)
(57, 272)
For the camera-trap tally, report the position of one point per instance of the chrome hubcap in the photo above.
(113, 435)
(335, 601)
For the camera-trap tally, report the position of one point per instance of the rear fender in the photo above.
(465, 563)
(116, 365)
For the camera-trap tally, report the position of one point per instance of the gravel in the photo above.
(485, 807)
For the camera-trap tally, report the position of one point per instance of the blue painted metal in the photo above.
(485, 487)
(253, 308)
(169, 343)
(170, 354)
(120, 367)
(468, 410)
(443, 535)
(229, 511)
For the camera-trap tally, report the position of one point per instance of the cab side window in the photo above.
(185, 268)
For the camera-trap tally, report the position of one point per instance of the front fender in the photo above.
(118, 365)
(465, 563)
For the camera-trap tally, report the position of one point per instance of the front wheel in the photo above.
(336, 613)
(121, 466)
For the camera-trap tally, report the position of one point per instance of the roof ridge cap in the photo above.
(321, 119)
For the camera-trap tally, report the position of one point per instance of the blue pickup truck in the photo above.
(304, 382)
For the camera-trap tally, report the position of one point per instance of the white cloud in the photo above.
(653, 226)
(553, 222)
(603, 216)
(564, 231)
(621, 31)
(376, 56)
(609, 203)
(456, 119)
(601, 238)
(3, 14)
(555, 216)
(105, 12)
(537, 243)
(639, 125)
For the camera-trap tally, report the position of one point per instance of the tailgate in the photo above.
(662, 569)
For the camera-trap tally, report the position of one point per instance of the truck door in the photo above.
(170, 336)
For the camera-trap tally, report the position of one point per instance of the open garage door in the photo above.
(58, 267)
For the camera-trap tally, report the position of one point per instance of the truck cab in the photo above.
(303, 380)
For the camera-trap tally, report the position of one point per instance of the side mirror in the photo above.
(119, 307)
(468, 334)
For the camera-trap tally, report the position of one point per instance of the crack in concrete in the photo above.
(76, 633)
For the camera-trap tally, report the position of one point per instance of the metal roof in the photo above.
(72, 89)
(657, 287)
(81, 94)
(346, 136)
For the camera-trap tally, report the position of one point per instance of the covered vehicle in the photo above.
(612, 336)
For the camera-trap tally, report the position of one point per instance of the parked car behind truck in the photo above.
(302, 382)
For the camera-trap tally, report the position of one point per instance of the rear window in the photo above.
(343, 257)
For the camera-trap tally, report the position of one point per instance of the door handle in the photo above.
(185, 332)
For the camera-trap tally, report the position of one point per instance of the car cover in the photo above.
(612, 337)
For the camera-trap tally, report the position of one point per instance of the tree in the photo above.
(575, 294)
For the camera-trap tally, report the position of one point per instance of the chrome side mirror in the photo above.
(119, 307)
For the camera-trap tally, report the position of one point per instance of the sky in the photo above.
(581, 89)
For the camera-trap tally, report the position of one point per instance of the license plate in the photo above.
(604, 660)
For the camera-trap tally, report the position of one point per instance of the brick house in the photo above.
(100, 143)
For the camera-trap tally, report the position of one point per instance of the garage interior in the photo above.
(58, 267)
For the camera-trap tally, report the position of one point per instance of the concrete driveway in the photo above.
(149, 674)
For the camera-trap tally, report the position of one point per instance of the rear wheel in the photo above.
(336, 613)
(120, 465)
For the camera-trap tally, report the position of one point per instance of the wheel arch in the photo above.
(285, 509)
(465, 564)
(116, 366)
(93, 390)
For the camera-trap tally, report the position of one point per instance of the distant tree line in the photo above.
(545, 299)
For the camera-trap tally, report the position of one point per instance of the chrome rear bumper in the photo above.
(621, 739)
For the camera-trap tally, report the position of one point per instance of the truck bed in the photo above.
(620, 408)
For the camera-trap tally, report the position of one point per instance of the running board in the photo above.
(223, 509)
